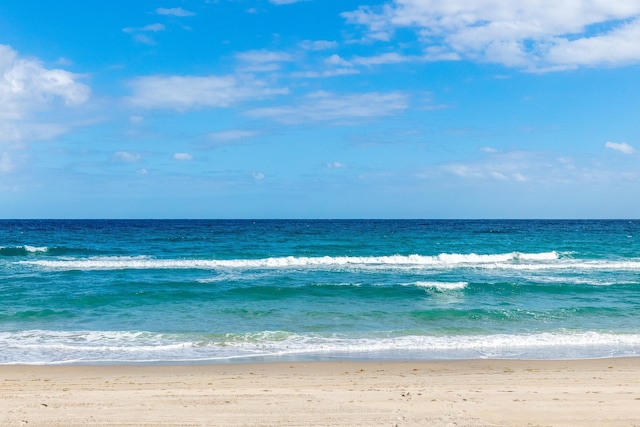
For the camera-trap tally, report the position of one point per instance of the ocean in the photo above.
(228, 291)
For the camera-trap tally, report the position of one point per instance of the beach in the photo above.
(599, 392)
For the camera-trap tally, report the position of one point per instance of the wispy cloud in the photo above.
(140, 34)
(174, 11)
(183, 93)
(318, 44)
(385, 58)
(622, 147)
(512, 166)
(336, 165)
(279, 2)
(540, 168)
(335, 72)
(337, 65)
(330, 107)
(263, 60)
(126, 157)
(182, 156)
(537, 36)
(231, 135)
(262, 56)
(154, 28)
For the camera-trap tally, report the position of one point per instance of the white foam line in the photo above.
(51, 347)
(442, 286)
(442, 260)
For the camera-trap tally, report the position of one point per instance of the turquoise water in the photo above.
(224, 291)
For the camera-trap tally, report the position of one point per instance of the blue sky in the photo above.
(319, 109)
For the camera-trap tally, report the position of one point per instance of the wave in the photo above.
(438, 261)
(77, 347)
(48, 251)
(442, 286)
(514, 261)
(22, 250)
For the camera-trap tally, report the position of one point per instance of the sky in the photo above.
(319, 109)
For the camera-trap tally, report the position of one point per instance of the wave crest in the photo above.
(410, 261)
(22, 250)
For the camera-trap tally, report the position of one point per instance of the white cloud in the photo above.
(385, 58)
(182, 156)
(26, 85)
(489, 150)
(318, 44)
(263, 60)
(325, 106)
(327, 73)
(278, 2)
(516, 166)
(464, 171)
(154, 28)
(337, 60)
(336, 165)
(126, 156)
(540, 168)
(502, 172)
(541, 35)
(519, 177)
(263, 56)
(620, 46)
(622, 147)
(231, 135)
(144, 39)
(26, 89)
(183, 93)
(338, 67)
(258, 176)
(140, 34)
(174, 11)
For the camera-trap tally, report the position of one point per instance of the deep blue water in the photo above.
(131, 291)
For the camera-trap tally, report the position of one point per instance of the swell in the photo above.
(47, 251)
(35, 315)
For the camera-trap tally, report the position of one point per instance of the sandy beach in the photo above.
(603, 392)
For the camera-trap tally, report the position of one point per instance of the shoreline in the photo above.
(488, 392)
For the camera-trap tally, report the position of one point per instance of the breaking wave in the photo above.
(516, 259)
(76, 347)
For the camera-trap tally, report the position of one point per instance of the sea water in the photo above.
(214, 291)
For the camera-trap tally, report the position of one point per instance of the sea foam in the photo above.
(441, 260)
(74, 347)
(442, 286)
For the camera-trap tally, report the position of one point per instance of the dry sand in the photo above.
(603, 392)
